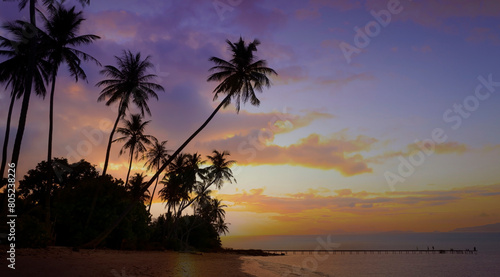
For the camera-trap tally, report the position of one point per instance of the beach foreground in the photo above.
(62, 261)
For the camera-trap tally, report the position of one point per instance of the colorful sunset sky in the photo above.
(384, 114)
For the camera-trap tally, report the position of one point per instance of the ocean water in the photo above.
(377, 265)
(485, 263)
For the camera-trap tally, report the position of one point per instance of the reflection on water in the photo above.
(185, 265)
(378, 265)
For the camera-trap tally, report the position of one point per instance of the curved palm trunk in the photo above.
(130, 166)
(153, 195)
(108, 150)
(6, 140)
(196, 198)
(108, 231)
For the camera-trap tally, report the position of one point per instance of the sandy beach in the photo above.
(62, 261)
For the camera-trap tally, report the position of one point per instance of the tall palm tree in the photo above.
(239, 78)
(16, 73)
(31, 34)
(61, 36)
(134, 137)
(155, 157)
(130, 82)
(12, 79)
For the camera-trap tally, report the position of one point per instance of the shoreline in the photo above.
(63, 261)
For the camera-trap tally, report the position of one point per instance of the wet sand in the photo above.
(61, 261)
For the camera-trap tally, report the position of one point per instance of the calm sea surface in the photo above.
(485, 263)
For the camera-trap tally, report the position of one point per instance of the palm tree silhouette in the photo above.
(155, 156)
(134, 137)
(16, 73)
(32, 6)
(220, 170)
(31, 41)
(129, 82)
(212, 210)
(180, 181)
(15, 94)
(10, 77)
(222, 227)
(215, 174)
(61, 28)
(135, 187)
(239, 77)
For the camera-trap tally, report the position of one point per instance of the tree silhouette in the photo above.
(127, 83)
(134, 137)
(61, 35)
(135, 187)
(61, 28)
(30, 40)
(182, 179)
(239, 77)
(215, 174)
(155, 156)
(16, 72)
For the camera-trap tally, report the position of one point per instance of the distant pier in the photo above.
(344, 252)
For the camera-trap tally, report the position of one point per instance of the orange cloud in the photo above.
(441, 148)
(278, 122)
(336, 152)
(317, 211)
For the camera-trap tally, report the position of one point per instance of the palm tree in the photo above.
(16, 73)
(155, 156)
(175, 187)
(220, 170)
(222, 227)
(30, 40)
(136, 140)
(32, 7)
(181, 180)
(61, 27)
(217, 210)
(212, 211)
(129, 82)
(11, 78)
(135, 187)
(215, 174)
(239, 78)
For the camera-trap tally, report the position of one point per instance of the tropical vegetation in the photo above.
(74, 204)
